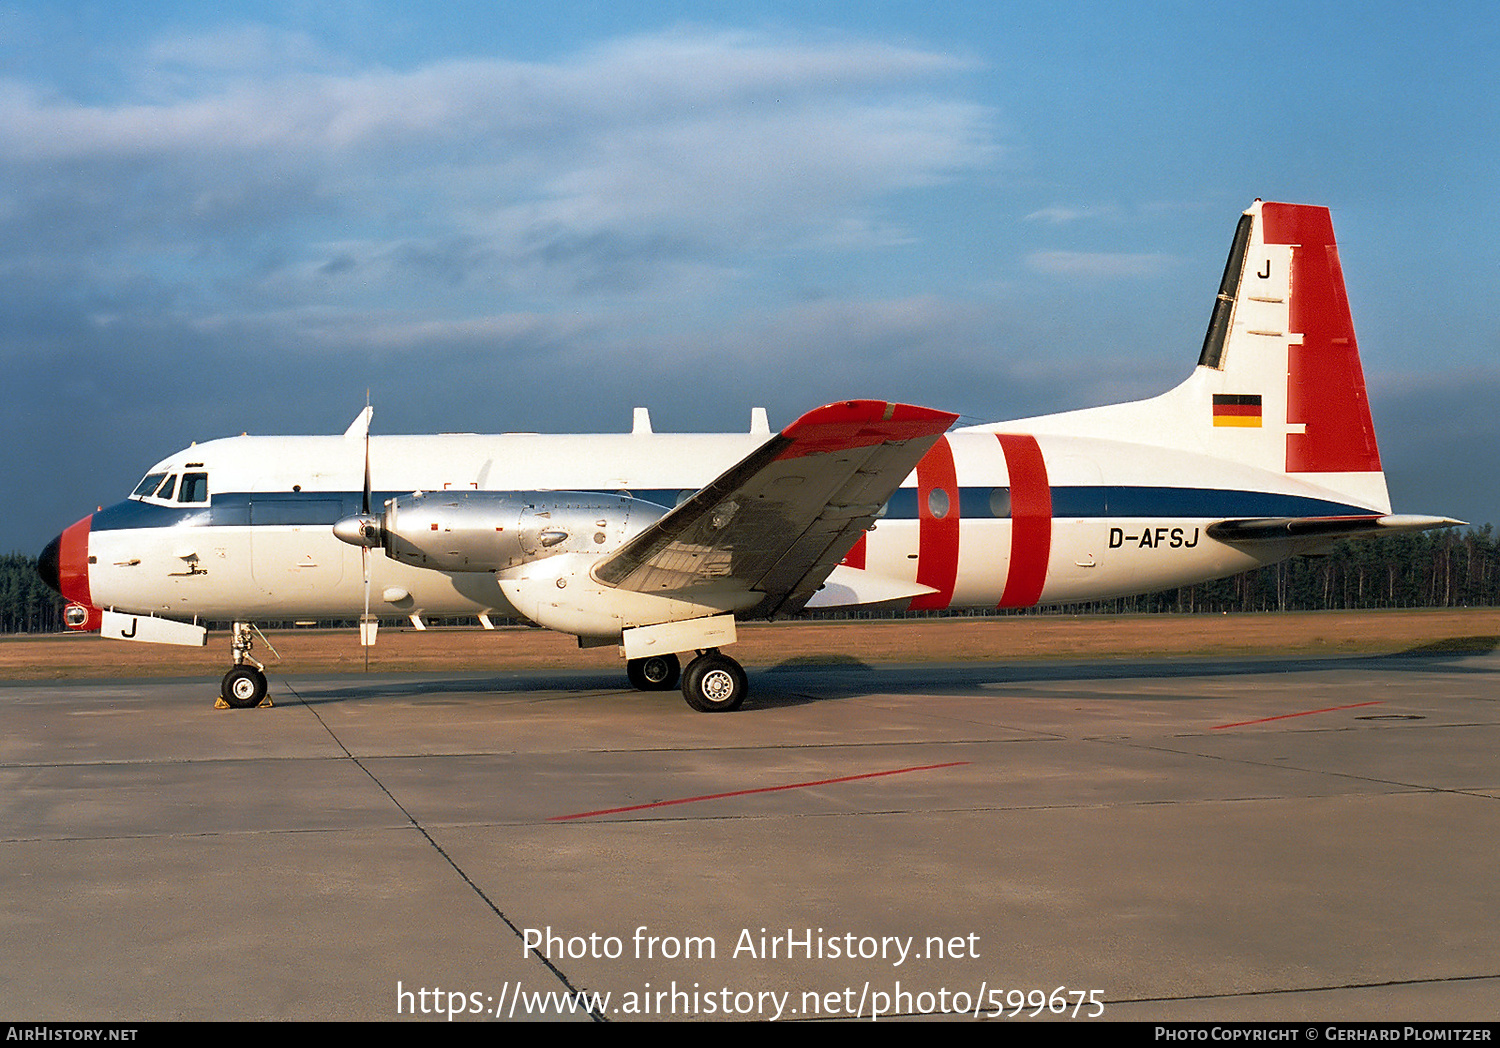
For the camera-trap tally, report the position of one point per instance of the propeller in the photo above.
(366, 627)
(363, 530)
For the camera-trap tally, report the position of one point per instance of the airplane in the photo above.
(659, 543)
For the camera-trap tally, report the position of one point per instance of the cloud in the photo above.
(1098, 264)
(249, 154)
(244, 230)
(1059, 215)
(480, 107)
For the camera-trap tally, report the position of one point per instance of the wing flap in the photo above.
(846, 587)
(779, 521)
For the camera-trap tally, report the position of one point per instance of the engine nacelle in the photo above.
(562, 594)
(492, 531)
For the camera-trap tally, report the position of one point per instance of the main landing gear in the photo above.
(712, 682)
(244, 686)
(654, 672)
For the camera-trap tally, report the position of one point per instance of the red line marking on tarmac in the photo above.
(1304, 713)
(761, 789)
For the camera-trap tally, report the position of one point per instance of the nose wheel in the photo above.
(243, 687)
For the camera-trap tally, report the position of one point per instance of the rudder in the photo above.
(1325, 382)
(1285, 358)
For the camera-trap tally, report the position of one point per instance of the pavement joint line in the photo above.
(452, 863)
(1410, 787)
(1436, 980)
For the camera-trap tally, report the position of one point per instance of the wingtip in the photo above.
(863, 423)
(1415, 522)
(875, 412)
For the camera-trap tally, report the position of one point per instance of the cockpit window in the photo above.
(194, 488)
(148, 485)
(165, 491)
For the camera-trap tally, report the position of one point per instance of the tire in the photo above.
(714, 683)
(243, 687)
(654, 672)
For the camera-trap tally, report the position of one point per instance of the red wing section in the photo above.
(779, 521)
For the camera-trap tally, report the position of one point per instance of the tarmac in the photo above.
(1272, 839)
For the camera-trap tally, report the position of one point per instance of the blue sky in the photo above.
(218, 218)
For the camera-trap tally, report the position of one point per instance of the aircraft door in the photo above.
(293, 553)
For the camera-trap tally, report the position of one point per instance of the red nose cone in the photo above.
(64, 564)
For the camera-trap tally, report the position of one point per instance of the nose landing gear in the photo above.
(244, 686)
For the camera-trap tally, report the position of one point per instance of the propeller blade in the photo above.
(367, 625)
(366, 531)
(364, 505)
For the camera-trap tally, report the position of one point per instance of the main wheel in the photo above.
(714, 683)
(654, 672)
(243, 687)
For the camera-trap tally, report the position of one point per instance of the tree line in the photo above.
(1434, 569)
(27, 604)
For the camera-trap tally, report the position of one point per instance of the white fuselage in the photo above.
(988, 519)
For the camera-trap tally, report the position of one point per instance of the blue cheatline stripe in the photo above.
(325, 507)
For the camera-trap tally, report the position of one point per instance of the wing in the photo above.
(781, 520)
(1272, 529)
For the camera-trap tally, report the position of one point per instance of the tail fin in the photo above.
(1278, 384)
(1290, 316)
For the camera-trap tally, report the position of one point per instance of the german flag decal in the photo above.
(1237, 409)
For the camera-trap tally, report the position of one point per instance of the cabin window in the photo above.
(147, 486)
(1000, 502)
(194, 488)
(938, 503)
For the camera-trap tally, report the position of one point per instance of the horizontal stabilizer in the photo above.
(1271, 529)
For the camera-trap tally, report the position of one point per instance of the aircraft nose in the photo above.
(64, 563)
(46, 564)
